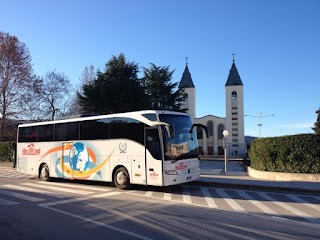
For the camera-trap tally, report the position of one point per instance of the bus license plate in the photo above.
(189, 177)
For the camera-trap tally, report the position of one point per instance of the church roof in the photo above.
(186, 80)
(234, 77)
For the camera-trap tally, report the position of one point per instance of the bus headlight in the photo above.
(171, 172)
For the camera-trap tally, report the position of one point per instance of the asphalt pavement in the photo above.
(212, 173)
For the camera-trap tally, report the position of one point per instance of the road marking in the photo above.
(21, 196)
(7, 202)
(72, 200)
(210, 201)
(232, 203)
(293, 210)
(28, 189)
(72, 185)
(257, 203)
(61, 189)
(148, 193)
(301, 201)
(186, 195)
(167, 196)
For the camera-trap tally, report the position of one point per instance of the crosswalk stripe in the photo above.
(257, 203)
(299, 200)
(232, 203)
(34, 190)
(186, 195)
(73, 185)
(290, 209)
(208, 198)
(21, 196)
(7, 202)
(167, 196)
(72, 200)
(61, 189)
(148, 193)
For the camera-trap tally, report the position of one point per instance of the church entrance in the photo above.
(220, 151)
(210, 150)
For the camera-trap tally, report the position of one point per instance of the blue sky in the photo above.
(276, 46)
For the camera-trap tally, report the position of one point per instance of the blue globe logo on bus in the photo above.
(79, 157)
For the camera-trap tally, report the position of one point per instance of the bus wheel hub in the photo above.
(121, 178)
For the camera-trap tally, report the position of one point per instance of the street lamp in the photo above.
(259, 120)
(225, 146)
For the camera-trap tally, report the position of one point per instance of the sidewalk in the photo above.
(212, 174)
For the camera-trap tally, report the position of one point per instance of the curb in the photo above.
(280, 176)
(254, 187)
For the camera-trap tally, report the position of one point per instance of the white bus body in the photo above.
(156, 148)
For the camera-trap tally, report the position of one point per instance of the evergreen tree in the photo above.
(316, 127)
(118, 89)
(162, 94)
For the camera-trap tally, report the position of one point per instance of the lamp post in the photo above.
(225, 146)
(259, 120)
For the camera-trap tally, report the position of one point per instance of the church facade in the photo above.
(233, 122)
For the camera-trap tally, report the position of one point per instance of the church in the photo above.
(233, 122)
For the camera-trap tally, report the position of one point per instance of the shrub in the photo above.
(7, 151)
(292, 154)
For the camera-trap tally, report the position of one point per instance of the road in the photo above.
(32, 209)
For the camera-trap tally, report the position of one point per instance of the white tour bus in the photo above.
(158, 148)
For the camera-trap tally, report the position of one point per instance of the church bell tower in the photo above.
(235, 112)
(189, 95)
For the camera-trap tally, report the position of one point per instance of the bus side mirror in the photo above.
(199, 125)
(170, 132)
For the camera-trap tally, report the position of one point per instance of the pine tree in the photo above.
(118, 89)
(316, 127)
(162, 93)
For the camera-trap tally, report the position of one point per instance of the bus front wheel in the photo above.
(121, 178)
(44, 173)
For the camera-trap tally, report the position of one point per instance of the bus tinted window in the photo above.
(66, 131)
(127, 128)
(45, 133)
(150, 116)
(28, 134)
(94, 129)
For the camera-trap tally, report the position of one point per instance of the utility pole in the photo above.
(259, 120)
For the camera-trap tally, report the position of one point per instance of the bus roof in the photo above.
(138, 115)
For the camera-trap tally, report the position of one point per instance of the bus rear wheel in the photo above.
(121, 178)
(44, 173)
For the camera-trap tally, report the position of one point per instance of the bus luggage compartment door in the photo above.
(66, 161)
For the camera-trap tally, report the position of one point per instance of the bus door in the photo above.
(153, 156)
(66, 166)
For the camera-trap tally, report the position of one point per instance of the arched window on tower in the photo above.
(234, 94)
(210, 128)
(220, 131)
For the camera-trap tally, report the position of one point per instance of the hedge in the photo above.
(291, 154)
(7, 151)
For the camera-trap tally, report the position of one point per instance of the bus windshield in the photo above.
(183, 143)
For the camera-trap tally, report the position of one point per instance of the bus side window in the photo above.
(127, 128)
(28, 134)
(45, 133)
(67, 131)
(94, 129)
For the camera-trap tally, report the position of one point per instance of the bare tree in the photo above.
(56, 89)
(16, 77)
(87, 77)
